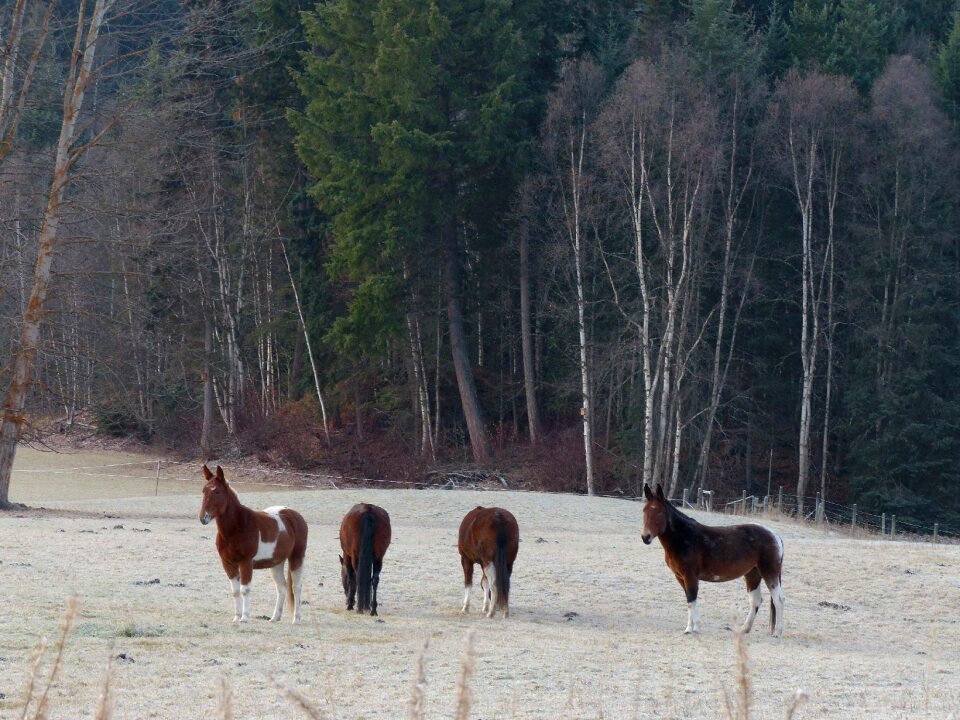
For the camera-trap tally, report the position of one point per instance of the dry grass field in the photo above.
(872, 628)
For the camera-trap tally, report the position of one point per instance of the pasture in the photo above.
(871, 627)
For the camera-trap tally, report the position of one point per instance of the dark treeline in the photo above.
(595, 243)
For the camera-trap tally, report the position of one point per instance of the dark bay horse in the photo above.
(489, 537)
(696, 552)
(248, 540)
(364, 538)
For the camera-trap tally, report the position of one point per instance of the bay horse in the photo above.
(489, 537)
(249, 540)
(364, 538)
(697, 552)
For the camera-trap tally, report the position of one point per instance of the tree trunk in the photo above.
(526, 335)
(78, 79)
(458, 346)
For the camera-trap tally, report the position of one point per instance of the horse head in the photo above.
(655, 514)
(216, 495)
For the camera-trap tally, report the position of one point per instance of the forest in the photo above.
(585, 244)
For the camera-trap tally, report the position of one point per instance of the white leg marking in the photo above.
(281, 585)
(776, 594)
(693, 617)
(466, 599)
(755, 598)
(245, 596)
(297, 590)
(235, 591)
(491, 602)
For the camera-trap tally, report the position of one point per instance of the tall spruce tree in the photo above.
(416, 115)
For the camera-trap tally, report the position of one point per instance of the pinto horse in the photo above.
(364, 538)
(697, 552)
(248, 540)
(489, 537)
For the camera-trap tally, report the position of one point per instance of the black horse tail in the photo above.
(500, 566)
(368, 527)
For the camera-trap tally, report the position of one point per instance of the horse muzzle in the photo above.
(205, 519)
(647, 538)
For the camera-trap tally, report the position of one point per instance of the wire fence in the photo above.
(811, 509)
(829, 514)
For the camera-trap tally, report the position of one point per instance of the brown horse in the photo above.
(364, 537)
(248, 540)
(489, 537)
(697, 552)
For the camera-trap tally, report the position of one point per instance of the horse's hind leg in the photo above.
(753, 592)
(490, 598)
(278, 580)
(377, 567)
(296, 583)
(467, 582)
(776, 606)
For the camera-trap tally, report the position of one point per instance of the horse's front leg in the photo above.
(246, 576)
(233, 574)
(351, 584)
(278, 580)
(691, 586)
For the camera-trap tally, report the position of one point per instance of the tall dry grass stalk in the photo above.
(40, 711)
(464, 698)
(799, 698)
(225, 706)
(295, 697)
(418, 697)
(105, 699)
(739, 708)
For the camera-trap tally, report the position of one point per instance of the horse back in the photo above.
(351, 529)
(483, 529)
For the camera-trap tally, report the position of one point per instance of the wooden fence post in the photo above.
(780, 501)
(818, 510)
(883, 524)
(893, 525)
(686, 495)
(853, 517)
(936, 529)
(743, 499)
(156, 490)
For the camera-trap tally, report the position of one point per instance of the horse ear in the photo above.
(646, 492)
(220, 476)
(660, 495)
(341, 559)
(206, 472)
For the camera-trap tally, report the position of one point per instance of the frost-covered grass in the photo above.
(596, 625)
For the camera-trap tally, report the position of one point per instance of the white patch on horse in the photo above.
(265, 549)
(777, 540)
(235, 591)
(693, 617)
(245, 596)
(755, 598)
(776, 596)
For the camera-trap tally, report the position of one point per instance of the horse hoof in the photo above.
(296, 621)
